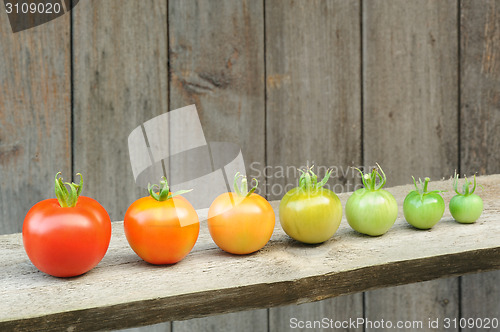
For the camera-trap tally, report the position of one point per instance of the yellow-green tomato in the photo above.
(310, 213)
(423, 209)
(310, 216)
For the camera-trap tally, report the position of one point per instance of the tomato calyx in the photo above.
(67, 198)
(309, 180)
(242, 190)
(370, 179)
(466, 187)
(422, 189)
(163, 193)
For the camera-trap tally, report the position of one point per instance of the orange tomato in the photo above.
(161, 232)
(240, 224)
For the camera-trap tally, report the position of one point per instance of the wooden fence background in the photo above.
(411, 84)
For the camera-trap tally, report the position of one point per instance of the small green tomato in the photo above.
(466, 207)
(422, 208)
(372, 210)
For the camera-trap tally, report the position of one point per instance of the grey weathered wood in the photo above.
(255, 320)
(123, 291)
(410, 94)
(217, 63)
(35, 116)
(313, 109)
(120, 81)
(313, 91)
(480, 127)
(341, 308)
(161, 327)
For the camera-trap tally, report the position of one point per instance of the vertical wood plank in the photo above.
(410, 87)
(338, 309)
(313, 90)
(120, 81)
(410, 53)
(217, 63)
(35, 116)
(480, 128)
(313, 112)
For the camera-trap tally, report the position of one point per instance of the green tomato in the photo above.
(466, 207)
(423, 209)
(372, 210)
(310, 213)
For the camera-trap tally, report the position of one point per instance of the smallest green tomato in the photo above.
(466, 207)
(422, 208)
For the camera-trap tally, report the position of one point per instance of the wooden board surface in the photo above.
(480, 127)
(313, 111)
(410, 97)
(123, 291)
(217, 63)
(35, 115)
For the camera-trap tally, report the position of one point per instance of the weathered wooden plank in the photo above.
(120, 81)
(339, 309)
(123, 291)
(480, 127)
(313, 109)
(161, 327)
(217, 63)
(410, 96)
(35, 116)
(313, 91)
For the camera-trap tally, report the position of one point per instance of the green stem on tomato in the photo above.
(309, 180)
(164, 193)
(466, 187)
(422, 189)
(242, 190)
(370, 180)
(64, 197)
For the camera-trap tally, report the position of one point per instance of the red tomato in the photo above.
(161, 229)
(242, 222)
(66, 241)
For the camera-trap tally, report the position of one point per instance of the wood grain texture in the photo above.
(410, 93)
(124, 291)
(120, 81)
(341, 308)
(410, 53)
(480, 127)
(313, 110)
(313, 90)
(217, 63)
(35, 116)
